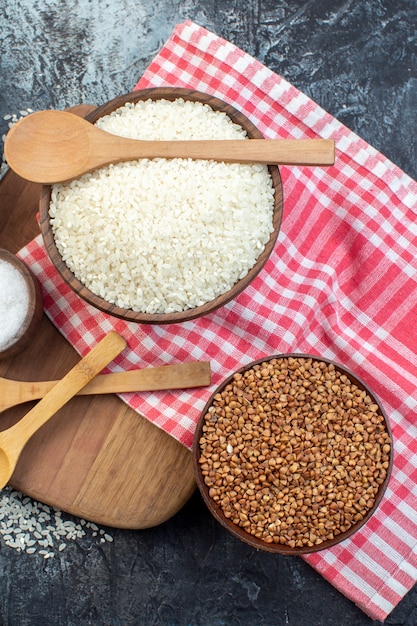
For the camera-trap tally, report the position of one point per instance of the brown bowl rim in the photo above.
(241, 534)
(35, 309)
(169, 93)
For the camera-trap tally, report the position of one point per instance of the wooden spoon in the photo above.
(14, 439)
(176, 376)
(55, 146)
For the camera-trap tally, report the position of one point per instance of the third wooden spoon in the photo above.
(14, 439)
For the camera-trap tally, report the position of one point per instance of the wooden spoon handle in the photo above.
(84, 371)
(175, 376)
(264, 151)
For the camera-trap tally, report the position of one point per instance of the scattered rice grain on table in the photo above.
(11, 119)
(160, 236)
(29, 526)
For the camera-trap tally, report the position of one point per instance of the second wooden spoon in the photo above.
(175, 376)
(55, 146)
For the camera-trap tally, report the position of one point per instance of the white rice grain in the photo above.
(162, 236)
(35, 528)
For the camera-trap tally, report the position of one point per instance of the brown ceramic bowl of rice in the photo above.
(161, 241)
(293, 454)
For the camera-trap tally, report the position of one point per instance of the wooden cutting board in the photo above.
(96, 458)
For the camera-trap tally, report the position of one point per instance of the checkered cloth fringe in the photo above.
(341, 283)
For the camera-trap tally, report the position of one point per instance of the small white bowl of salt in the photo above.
(21, 304)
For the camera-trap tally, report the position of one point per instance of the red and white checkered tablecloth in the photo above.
(341, 283)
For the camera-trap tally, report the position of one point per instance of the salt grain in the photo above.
(14, 304)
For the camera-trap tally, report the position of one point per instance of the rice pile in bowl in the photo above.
(161, 237)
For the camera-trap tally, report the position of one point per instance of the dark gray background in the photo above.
(357, 59)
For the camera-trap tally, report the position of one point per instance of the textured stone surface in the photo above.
(357, 59)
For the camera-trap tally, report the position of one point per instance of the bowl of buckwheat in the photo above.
(293, 453)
